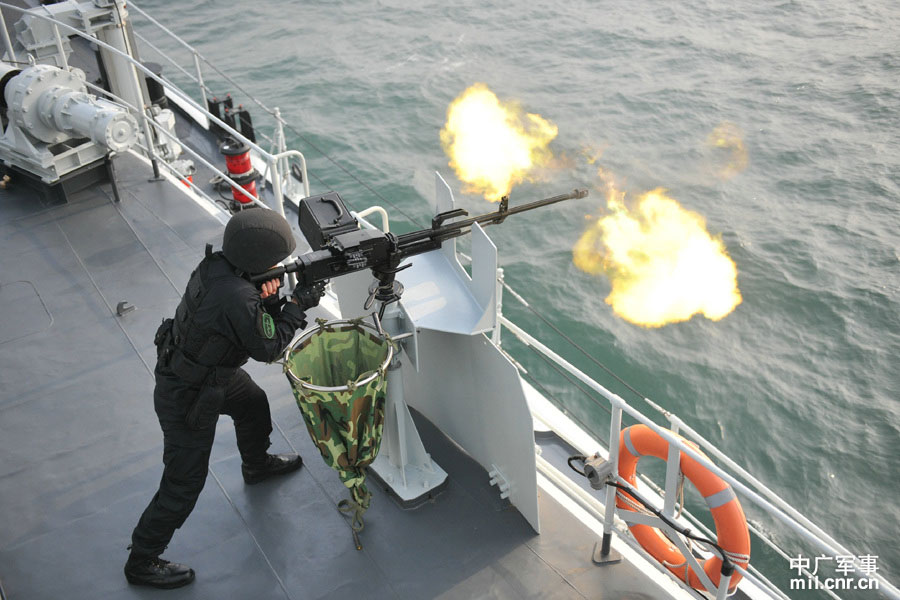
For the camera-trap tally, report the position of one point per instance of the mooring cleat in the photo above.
(275, 465)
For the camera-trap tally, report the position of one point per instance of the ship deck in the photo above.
(81, 449)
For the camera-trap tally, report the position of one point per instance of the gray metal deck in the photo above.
(80, 446)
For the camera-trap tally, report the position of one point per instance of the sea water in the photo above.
(800, 383)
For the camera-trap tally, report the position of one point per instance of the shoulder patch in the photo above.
(266, 325)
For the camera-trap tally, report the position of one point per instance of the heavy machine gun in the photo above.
(340, 246)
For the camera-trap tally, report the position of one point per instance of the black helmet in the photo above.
(257, 238)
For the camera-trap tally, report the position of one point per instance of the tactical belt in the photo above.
(173, 357)
(186, 369)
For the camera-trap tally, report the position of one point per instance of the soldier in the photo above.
(222, 320)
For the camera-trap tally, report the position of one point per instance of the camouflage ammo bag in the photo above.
(337, 374)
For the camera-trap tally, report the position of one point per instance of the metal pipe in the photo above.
(59, 47)
(213, 168)
(151, 154)
(385, 226)
(165, 56)
(691, 562)
(159, 128)
(186, 73)
(760, 581)
(278, 141)
(279, 144)
(203, 58)
(724, 580)
(299, 155)
(783, 505)
(134, 7)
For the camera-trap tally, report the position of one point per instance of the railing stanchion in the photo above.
(151, 152)
(277, 192)
(279, 143)
(288, 153)
(724, 580)
(673, 468)
(200, 80)
(495, 336)
(603, 553)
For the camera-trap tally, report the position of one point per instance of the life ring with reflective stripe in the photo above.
(732, 533)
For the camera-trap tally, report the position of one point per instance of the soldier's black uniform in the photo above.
(221, 322)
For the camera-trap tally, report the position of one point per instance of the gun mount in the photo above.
(442, 309)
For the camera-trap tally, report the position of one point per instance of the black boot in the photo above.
(157, 572)
(274, 464)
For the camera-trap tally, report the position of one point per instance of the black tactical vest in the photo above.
(196, 347)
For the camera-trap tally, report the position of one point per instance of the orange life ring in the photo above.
(731, 524)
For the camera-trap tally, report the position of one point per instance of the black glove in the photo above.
(308, 296)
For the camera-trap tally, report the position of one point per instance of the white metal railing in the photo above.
(762, 496)
(752, 573)
(198, 59)
(695, 522)
(151, 152)
(595, 508)
(385, 222)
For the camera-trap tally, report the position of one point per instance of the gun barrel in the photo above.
(573, 195)
(458, 228)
